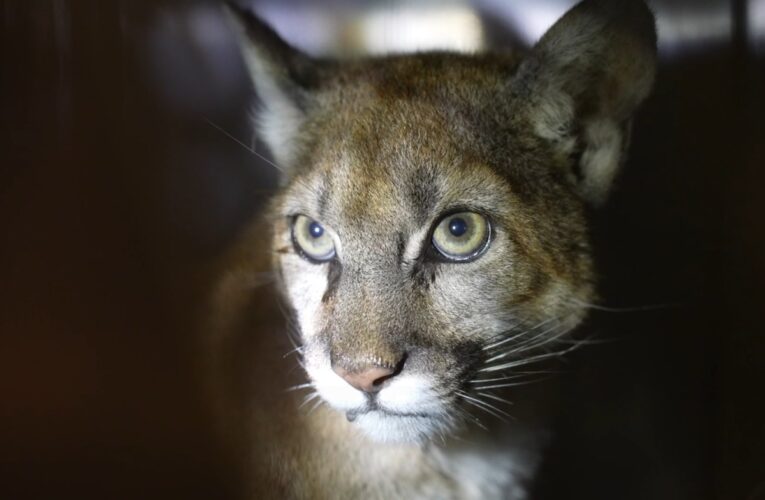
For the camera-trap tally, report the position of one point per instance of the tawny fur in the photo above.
(378, 150)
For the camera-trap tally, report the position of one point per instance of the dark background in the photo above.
(118, 188)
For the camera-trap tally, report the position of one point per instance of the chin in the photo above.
(386, 427)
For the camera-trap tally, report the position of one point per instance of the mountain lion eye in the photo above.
(312, 240)
(462, 236)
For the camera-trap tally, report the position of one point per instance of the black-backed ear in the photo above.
(583, 81)
(285, 80)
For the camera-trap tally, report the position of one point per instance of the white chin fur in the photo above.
(387, 428)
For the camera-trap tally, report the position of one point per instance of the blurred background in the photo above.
(126, 167)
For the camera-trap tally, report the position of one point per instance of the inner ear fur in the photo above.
(285, 81)
(583, 81)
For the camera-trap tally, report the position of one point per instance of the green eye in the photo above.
(312, 240)
(462, 236)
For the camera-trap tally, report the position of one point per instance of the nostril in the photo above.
(376, 377)
(369, 379)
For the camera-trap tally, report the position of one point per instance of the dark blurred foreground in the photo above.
(118, 185)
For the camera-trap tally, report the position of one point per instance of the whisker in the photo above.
(491, 347)
(598, 307)
(245, 146)
(308, 399)
(475, 383)
(564, 330)
(511, 384)
(315, 406)
(299, 386)
(527, 361)
(490, 412)
(555, 337)
(298, 350)
(587, 341)
(496, 398)
(516, 375)
(483, 403)
(528, 345)
(494, 345)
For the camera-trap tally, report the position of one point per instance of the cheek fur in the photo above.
(472, 298)
(305, 284)
(472, 305)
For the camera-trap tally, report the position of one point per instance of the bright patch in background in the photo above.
(528, 18)
(387, 28)
(421, 28)
(757, 24)
(194, 39)
(689, 29)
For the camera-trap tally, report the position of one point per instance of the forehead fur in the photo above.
(419, 128)
(435, 106)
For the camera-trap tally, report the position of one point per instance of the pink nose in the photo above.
(369, 379)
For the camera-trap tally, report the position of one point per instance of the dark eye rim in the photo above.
(300, 251)
(434, 254)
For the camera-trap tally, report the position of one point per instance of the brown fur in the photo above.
(377, 151)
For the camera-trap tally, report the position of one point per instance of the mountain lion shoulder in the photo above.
(427, 250)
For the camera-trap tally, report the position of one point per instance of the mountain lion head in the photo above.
(430, 235)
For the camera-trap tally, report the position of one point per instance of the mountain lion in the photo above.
(427, 251)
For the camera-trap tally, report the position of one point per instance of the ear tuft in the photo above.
(284, 79)
(583, 81)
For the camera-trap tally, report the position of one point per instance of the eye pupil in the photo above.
(458, 226)
(315, 230)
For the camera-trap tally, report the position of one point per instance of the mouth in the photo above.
(388, 426)
(352, 415)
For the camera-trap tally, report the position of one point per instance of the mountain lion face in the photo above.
(430, 236)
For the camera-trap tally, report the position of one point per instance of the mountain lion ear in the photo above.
(284, 79)
(582, 82)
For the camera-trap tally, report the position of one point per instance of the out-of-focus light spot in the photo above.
(686, 29)
(756, 26)
(310, 28)
(528, 18)
(424, 27)
(392, 27)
